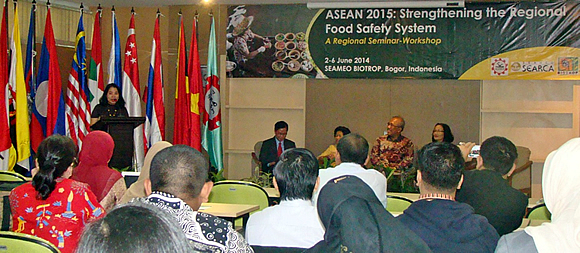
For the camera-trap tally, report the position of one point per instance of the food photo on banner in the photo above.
(268, 41)
(480, 41)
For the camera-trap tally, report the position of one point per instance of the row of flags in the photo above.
(21, 91)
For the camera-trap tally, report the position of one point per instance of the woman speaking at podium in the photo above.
(111, 105)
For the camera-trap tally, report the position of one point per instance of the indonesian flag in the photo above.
(5, 142)
(212, 131)
(77, 105)
(182, 123)
(21, 100)
(96, 85)
(155, 110)
(196, 90)
(131, 89)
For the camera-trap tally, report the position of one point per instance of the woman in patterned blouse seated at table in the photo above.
(111, 105)
(52, 206)
(330, 152)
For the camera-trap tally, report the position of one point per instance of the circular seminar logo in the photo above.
(516, 67)
(499, 66)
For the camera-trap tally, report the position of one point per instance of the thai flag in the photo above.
(155, 110)
(77, 105)
(115, 70)
(48, 99)
(131, 89)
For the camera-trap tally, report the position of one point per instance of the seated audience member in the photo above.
(294, 222)
(560, 184)
(330, 152)
(134, 227)
(272, 148)
(355, 221)
(393, 150)
(178, 185)
(487, 190)
(93, 169)
(442, 133)
(137, 189)
(444, 224)
(52, 206)
(353, 153)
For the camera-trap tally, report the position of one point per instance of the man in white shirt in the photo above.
(294, 222)
(353, 153)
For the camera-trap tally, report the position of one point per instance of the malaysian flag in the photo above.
(78, 109)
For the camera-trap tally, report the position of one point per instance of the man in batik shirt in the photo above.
(178, 185)
(393, 150)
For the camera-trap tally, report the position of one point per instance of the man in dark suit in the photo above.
(272, 148)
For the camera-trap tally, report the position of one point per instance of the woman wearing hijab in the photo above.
(560, 186)
(137, 190)
(356, 221)
(93, 169)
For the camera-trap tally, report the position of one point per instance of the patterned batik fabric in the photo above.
(206, 232)
(60, 218)
(396, 154)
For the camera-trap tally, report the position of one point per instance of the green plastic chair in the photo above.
(396, 204)
(239, 192)
(18, 242)
(9, 176)
(539, 212)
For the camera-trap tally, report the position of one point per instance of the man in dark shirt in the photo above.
(443, 223)
(487, 190)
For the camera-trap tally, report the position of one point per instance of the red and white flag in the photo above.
(131, 89)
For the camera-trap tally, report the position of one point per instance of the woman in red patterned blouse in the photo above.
(52, 206)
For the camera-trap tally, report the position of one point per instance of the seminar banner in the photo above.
(523, 40)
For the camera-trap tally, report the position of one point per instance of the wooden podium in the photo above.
(121, 129)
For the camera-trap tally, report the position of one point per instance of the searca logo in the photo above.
(533, 66)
